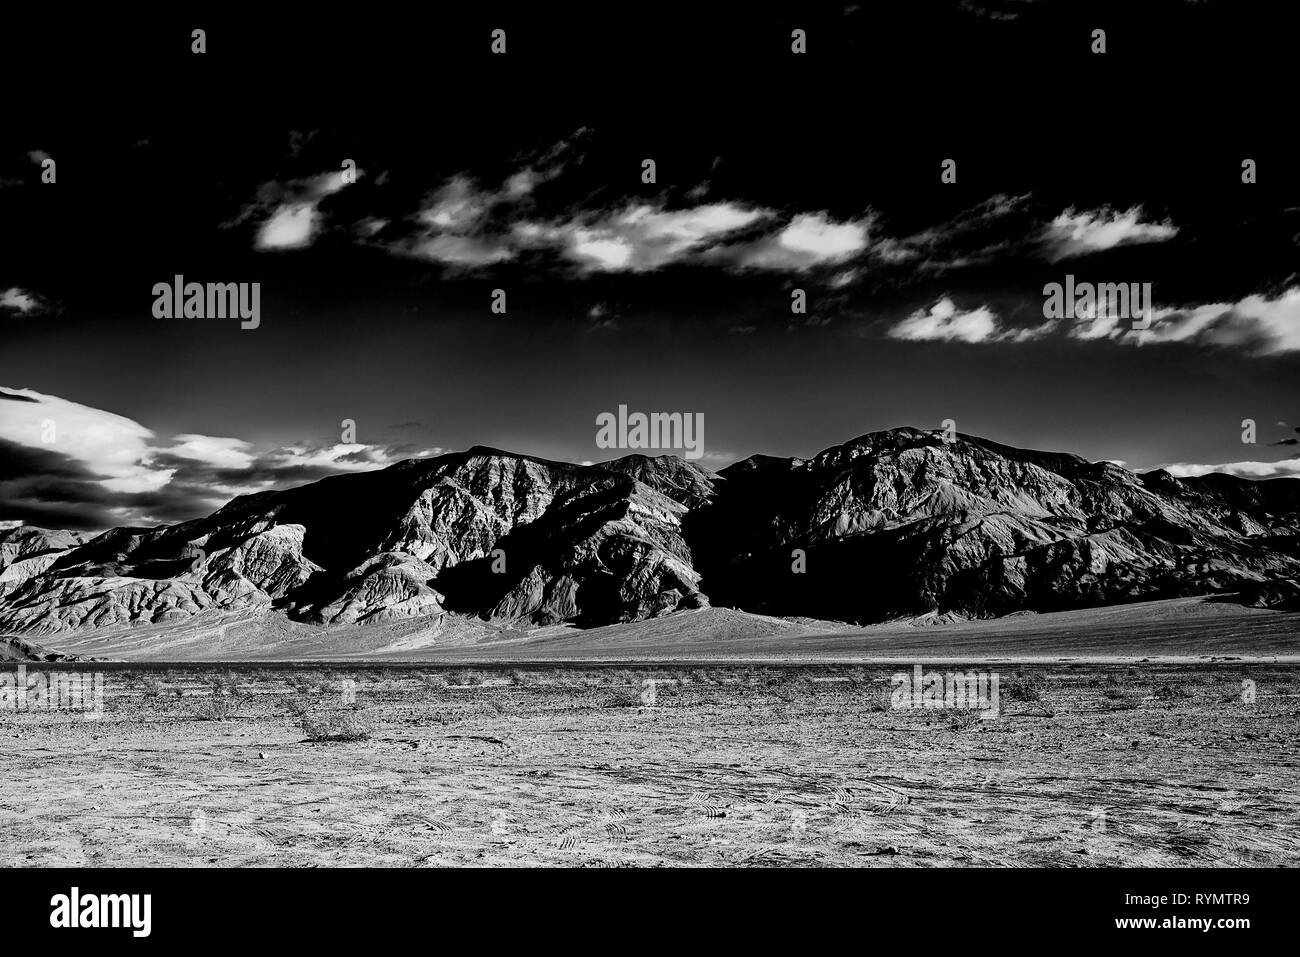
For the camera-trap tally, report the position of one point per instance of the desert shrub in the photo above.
(296, 706)
(433, 680)
(309, 683)
(225, 684)
(1119, 699)
(1026, 687)
(218, 707)
(874, 701)
(1172, 692)
(337, 726)
(1232, 696)
(623, 698)
(150, 687)
(962, 719)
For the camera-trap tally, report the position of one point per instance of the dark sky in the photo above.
(523, 172)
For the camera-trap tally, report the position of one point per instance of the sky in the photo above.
(472, 172)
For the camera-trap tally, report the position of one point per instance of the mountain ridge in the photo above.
(891, 524)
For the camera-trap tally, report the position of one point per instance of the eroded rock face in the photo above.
(26, 551)
(388, 587)
(902, 523)
(369, 548)
(608, 552)
(892, 524)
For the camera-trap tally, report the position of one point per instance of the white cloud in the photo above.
(683, 229)
(809, 239)
(18, 300)
(521, 184)
(613, 254)
(1255, 323)
(944, 322)
(1076, 233)
(462, 250)
(342, 456)
(296, 220)
(1250, 470)
(639, 237)
(290, 227)
(123, 456)
(458, 205)
(226, 453)
(108, 445)
(823, 239)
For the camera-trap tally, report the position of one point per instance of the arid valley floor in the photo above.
(1092, 761)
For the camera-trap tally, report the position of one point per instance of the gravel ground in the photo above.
(1087, 764)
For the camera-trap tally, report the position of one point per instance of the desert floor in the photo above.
(1088, 764)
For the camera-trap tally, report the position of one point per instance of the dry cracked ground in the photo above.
(1088, 764)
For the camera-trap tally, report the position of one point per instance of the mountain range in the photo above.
(898, 524)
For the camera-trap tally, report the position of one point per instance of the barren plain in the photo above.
(1087, 764)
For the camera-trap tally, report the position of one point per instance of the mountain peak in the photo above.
(893, 523)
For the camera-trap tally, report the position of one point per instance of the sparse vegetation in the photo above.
(623, 698)
(1028, 687)
(337, 726)
(581, 759)
(225, 684)
(963, 719)
(1172, 692)
(217, 707)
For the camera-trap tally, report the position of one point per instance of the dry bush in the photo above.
(310, 683)
(337, 726)
(217, 707)
(1172, 692)
(623, 698)
(1121, 699)
(225, 684)
(963, 719)
(873, 702)
(1028, 687)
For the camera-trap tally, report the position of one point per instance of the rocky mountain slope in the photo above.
(902, 523)
(893, 524)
